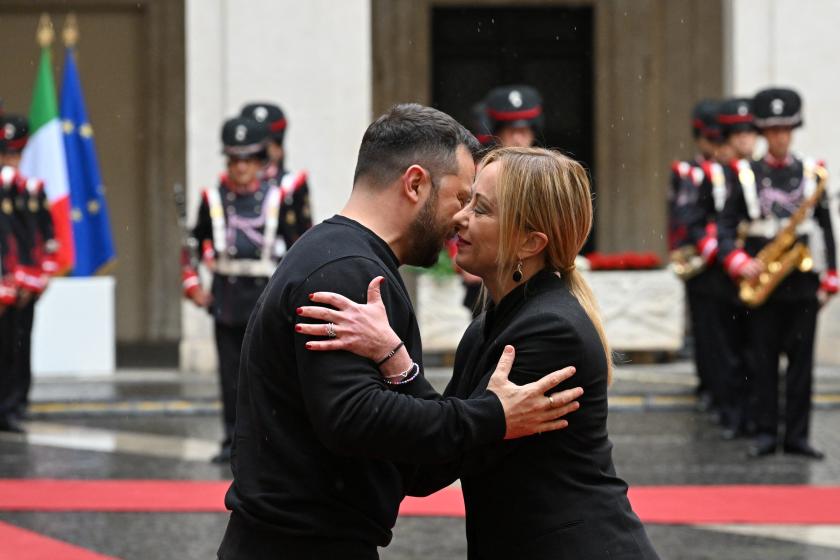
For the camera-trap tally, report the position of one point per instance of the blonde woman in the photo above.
(548, 496)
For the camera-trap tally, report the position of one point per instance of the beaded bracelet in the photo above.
(414, 371)
(390, 354)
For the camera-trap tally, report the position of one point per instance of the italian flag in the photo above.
(44, 158)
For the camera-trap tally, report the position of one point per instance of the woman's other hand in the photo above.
(528, 410)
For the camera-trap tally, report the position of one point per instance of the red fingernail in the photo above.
(298, 328)
(311, 296)
(308, 346)
(299, 310)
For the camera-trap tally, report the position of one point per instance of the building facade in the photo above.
(619, 79)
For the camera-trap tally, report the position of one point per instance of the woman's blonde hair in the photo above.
(541, 190)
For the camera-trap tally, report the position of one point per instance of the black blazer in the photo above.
(553, 495)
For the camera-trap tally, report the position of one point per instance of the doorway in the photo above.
(550, 48)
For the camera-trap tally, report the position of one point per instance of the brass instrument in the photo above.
(783, 254)
(686, 263)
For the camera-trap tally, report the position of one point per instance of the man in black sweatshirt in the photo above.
(320, 438)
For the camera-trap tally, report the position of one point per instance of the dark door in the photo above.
(550, 48)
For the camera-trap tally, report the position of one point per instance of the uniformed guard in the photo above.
(782, 278)
(36, 252)
(693, 242)
(239, 236)
(296, 211)
(516, 113)
(9, 388)
(736, 120)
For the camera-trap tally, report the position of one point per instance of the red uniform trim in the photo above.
(17, 145)
(8, 293)
(296, 183)
(734, 261)
(830, 282)
(735, 119)
(278, 125)
(189, 281)
(515, 115)
(30, 278)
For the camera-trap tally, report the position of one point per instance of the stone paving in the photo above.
(654, 445)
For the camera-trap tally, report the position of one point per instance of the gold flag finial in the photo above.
(45, 31)
(71, 30)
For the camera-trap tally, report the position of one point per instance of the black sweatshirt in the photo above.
(319, 435)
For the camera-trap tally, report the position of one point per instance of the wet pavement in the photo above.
(164, 425)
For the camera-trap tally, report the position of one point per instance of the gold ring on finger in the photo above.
(550, 401)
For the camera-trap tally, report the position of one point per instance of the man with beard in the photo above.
(320, 436)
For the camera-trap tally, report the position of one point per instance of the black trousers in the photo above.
(9, 397)
(229, 348)
(735, 363)
(705, 317)
(22, 355)
(783, 327)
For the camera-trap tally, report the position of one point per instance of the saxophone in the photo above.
(783, 254)
(686, 263)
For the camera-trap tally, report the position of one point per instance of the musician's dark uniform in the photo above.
(694, 186)
(735, 115)
(36, 251)
(9, 394)
(240, 234)
(766, 192)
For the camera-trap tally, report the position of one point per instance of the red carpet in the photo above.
(20, 544)
(793, 505)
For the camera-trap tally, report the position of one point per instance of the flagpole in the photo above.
(70, 32)
(46, 31)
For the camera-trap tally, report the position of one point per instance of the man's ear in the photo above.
(533, 244)
(414, 180)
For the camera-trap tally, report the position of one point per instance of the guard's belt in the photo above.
(770, 228)
(257, 268)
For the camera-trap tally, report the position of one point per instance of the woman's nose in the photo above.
(462, 218)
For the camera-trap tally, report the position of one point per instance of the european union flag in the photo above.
(88, 209)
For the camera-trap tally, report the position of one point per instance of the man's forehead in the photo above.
(466, 164)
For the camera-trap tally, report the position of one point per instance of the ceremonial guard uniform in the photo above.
(695, 186)
(9, 391)
(516, 115)
(35, 252)
(737, 124)
(767, 195)
(296, 211)
(240, 235)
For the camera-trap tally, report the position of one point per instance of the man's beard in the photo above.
(426, 236)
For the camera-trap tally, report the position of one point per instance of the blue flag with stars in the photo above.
(88, 209)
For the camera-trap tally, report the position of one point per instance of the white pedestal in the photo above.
(74, 328)
(441, 312)
(641, 310)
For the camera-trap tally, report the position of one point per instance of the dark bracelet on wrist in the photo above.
(390, 354)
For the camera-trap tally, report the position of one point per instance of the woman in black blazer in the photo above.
(554, 495)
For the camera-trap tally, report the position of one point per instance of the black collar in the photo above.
(499, 314)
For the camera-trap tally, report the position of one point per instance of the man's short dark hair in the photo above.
(410, 134)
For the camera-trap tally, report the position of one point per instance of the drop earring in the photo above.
(517, 274)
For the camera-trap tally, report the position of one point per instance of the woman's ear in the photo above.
(413, 180)
(533, 244)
